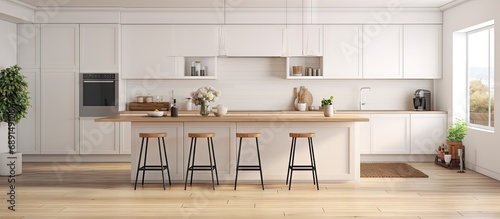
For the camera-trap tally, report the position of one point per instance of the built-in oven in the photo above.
(98, 94)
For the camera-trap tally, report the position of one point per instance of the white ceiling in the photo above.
(238, 3)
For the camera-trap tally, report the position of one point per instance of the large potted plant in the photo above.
(456, 133)
(14, 103)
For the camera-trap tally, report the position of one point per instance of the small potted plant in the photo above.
(327, 106)
(456, 133)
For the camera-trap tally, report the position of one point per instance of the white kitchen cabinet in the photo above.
(99, 137)
(422, 51)
(28, 46)
(99, 47)
(365, 135)
(59, 108)
(390, 133)
(197, 40)
(224, 141)
(28, 130)
(382, 51)
(125, 141)
(254, 40)
(342, 52)
(428, 131)
(60, 46)
(304, 40)
(148, 52)
(173, 143)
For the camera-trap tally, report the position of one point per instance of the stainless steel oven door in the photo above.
(98, 94)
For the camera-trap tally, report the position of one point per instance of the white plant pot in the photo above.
(328, 110)
(5, 160)
(447, 158)
(302, 106)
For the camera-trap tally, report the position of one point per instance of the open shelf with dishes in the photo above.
(304, 67)
(199, 68)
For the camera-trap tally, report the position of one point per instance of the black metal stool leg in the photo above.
(189, 160)
(260, 164)
(161, 164)
(215, 162)
(192, 164)
(293, 161)
(311, 158)
(211, 163)
(138, 164)
(237, 165)
(289, 163)
(145, 158)
(314, 164)
(166, 161)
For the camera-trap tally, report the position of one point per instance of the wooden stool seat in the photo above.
(248, 135)
(302, 135)
(201, 135)
(152, 135)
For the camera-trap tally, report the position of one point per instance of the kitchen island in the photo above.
(335, 144)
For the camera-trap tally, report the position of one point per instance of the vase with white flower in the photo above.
(203, 96)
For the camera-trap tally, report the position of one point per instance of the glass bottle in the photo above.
(173, 110)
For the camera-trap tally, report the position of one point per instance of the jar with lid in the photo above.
(140, 99)
(149, 99)
(189, 103)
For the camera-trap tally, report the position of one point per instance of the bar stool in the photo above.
(211, 155)
(160, 167)
(248, 167)
(292, 166)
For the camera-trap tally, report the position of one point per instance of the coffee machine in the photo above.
(422, 100)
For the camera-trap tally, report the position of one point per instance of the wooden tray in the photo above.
(162, 106)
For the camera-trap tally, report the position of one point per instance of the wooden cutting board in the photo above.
(162, 106)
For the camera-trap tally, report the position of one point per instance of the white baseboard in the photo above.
(405, 158)
(76, 158)
(481, 170)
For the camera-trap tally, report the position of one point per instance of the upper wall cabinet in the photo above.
(305, 40)
(382, 51)
(197, 40)
(342, 52)
(99, 45)
(28, 45)
(147, 52)
(422, 51)
(60, 46)
(254, 40)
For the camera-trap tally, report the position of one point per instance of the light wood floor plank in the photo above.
(103, 190)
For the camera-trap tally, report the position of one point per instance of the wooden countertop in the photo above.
(288, 112)
(237, 118)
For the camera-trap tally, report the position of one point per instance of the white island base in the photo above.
(337, 156)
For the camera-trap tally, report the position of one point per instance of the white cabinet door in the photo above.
(59, 125)
(28, 45)
(382, 51)
(148, 52)
(422, 51)
(125, 143)
(254, 40)
(28, 130)
(99, 47)
(365, 135)
(98, 137)
(342, 52)
(224, 141)
(197, 40)
(304, 40)
(428, 131)
(60, 46)
(390, 133)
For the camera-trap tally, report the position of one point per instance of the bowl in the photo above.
(155, 114)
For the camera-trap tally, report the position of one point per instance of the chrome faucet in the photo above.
(362, 98)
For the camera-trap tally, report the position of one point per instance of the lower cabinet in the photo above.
(390, 133)
(365, 136)
(28, 130)
(428, 131)
(99, 137)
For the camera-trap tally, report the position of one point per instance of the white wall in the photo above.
(8, 57)
(482, 148)
(259, 84)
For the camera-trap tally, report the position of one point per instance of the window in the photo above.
(480, 77)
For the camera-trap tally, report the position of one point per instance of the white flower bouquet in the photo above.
(205, 95)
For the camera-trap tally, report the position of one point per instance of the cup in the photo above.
(447, 158)
(302, 106)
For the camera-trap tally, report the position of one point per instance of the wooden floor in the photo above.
(101, 190)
